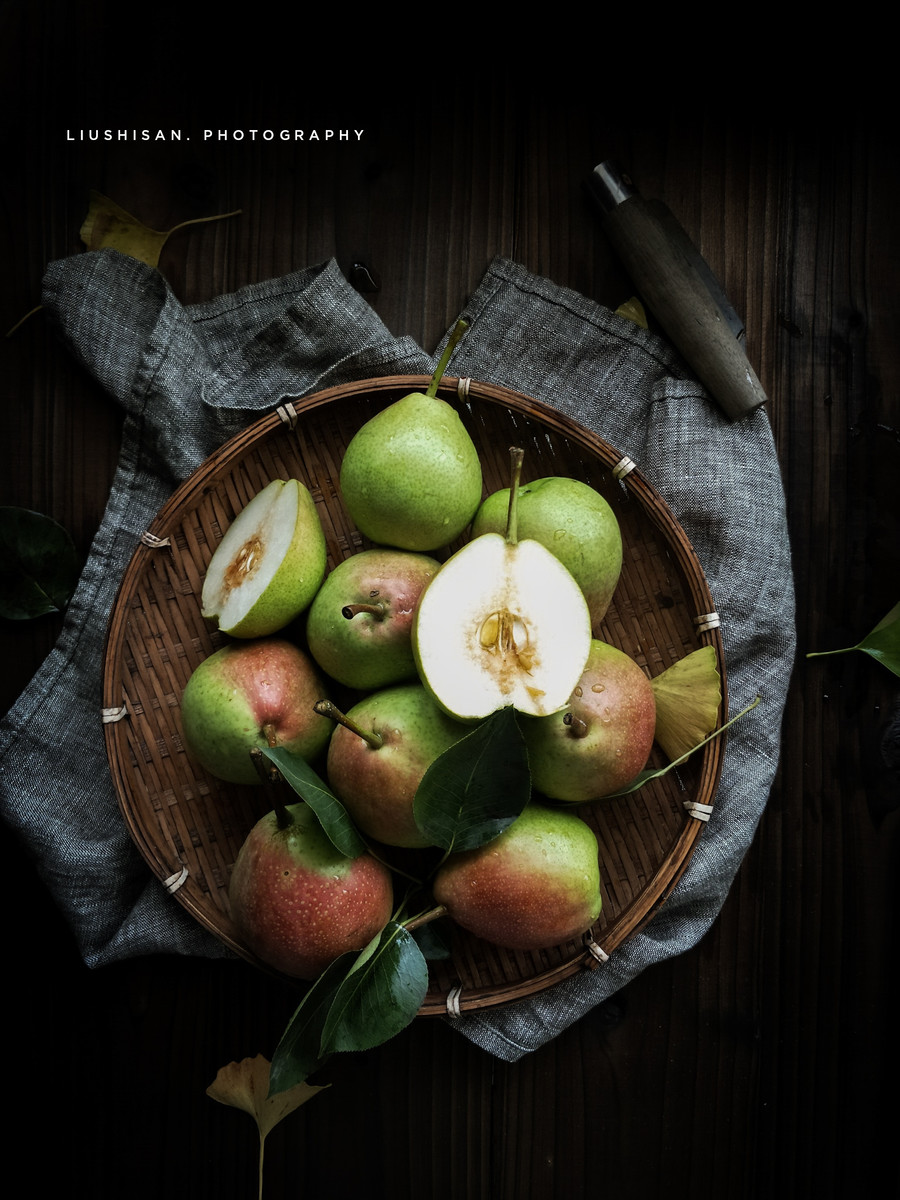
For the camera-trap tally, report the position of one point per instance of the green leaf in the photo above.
(38, 565)
(477, 787)
(298, 1053)
(882, 644)
(435, 940)
(381, 994)
(646, 776)
(357, 1003)
(333, 817)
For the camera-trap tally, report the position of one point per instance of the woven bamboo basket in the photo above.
(189, 826)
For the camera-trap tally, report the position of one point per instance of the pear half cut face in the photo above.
(269, 564)
(502, 625)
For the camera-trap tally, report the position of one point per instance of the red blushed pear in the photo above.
(603, 737)
(297, 902)
(534, 886)
(359, 625)
(252, 695)
(378, 754)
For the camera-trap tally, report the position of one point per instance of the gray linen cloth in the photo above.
(189, 377)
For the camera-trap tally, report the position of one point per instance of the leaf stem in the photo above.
(646, 776)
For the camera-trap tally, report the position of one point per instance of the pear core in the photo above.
(501, 624)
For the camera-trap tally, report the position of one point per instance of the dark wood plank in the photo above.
(761, 1062)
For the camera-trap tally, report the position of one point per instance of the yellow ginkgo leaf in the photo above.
(688, 696)
(245, 1085)
(107, 224)
(634, 311)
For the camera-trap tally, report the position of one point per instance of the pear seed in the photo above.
(244, 563)
(490, 631)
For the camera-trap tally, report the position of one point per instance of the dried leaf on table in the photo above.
(108, 225)
(245, 1085)
(634, 311)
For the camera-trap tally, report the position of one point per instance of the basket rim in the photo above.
(190, 494)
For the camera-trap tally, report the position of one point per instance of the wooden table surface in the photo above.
(763, 1062)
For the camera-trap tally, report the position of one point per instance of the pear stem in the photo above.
(516, 458)
(577, 727)
(325, 708)
(352, 610)
(270, 776)
(458, 330)
(424, 918)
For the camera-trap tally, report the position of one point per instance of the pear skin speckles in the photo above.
(298, 903)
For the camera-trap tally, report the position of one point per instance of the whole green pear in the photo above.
(358, 628)
(534, 886)
(411, 476)
(299, 903)
(377, 756)
(575, 523)
(602, 739)
(252, 695)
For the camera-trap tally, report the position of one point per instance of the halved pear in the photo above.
(269, 565)
(502, 623)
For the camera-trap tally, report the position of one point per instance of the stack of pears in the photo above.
(396, 654)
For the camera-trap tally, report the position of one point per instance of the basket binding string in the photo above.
(453, 1008)
(707, 621)
(287, 413)
(174, 882)
(700, 812)
(595, 951)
